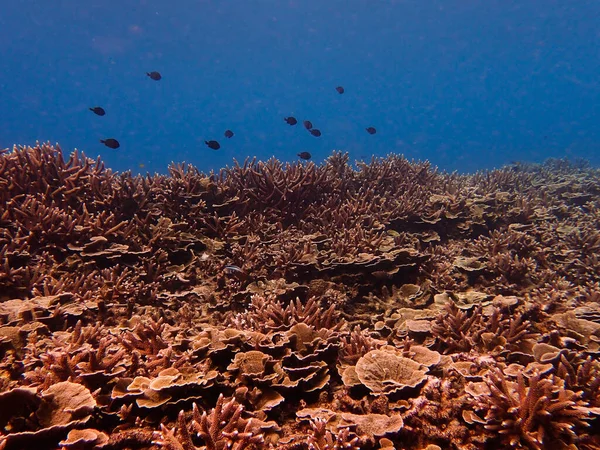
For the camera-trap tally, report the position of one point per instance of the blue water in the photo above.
(466, 84)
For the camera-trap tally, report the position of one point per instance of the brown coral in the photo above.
(223, 428)
(274, 284)
(533, 413)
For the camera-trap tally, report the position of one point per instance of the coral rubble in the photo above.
(296, 306)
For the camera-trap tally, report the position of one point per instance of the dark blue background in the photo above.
(466, 84)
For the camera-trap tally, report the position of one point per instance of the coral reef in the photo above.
(298, 306)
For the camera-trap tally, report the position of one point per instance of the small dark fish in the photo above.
(315, 132)
(307, 124)
(154, 75)
(340, 89)
(304, 155)
(371, 130)
(98, 110)
(228, 134)
(110, 143)
(290, 120)
(213, 144)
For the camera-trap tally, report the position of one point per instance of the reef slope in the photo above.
(297, 306)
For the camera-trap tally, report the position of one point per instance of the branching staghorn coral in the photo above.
(268, 314)
(533, 413)
(223, 428)
(455, 328)
(321, 438)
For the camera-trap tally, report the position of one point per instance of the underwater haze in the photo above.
(468, 85)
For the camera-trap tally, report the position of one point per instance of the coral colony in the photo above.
(298, 306)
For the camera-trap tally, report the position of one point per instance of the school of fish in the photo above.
(214, 144)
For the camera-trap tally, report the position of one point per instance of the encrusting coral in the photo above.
(298, 306)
